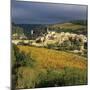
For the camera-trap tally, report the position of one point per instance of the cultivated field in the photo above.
(54, 59)
(35, 67)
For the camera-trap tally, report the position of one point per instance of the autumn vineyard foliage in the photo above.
(42, 67)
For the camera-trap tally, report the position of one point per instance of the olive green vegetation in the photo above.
(19, 59)
(31, 78)
(70, 27)
(26, 72)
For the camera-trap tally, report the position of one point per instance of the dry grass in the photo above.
(68, 26)
(47, 58)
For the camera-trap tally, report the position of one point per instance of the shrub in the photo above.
(23, 59)
(74, 76)
(62, 77)
(19, 59)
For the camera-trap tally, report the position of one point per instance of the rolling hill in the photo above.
(76, 26)
(47, 58)
(37, 67)
(41, 67)
(69, 27)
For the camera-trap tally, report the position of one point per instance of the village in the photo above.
(54, 39)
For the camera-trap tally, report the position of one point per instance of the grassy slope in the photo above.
(50, 67)
(68, 26)
(56, 59)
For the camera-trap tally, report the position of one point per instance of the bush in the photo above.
(63, 77)
(66, 45)
(74, 76)
(19, 59)
(23, 59)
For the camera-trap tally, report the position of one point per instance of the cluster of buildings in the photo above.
(60, 38)
(52, 37)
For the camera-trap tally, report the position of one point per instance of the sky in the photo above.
(23, 12)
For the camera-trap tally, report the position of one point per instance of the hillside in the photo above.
(55, 64)
(55, 59)
(78, 27)
(69, 27)
(41, 67)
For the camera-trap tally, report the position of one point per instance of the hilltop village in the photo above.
(52, 39)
